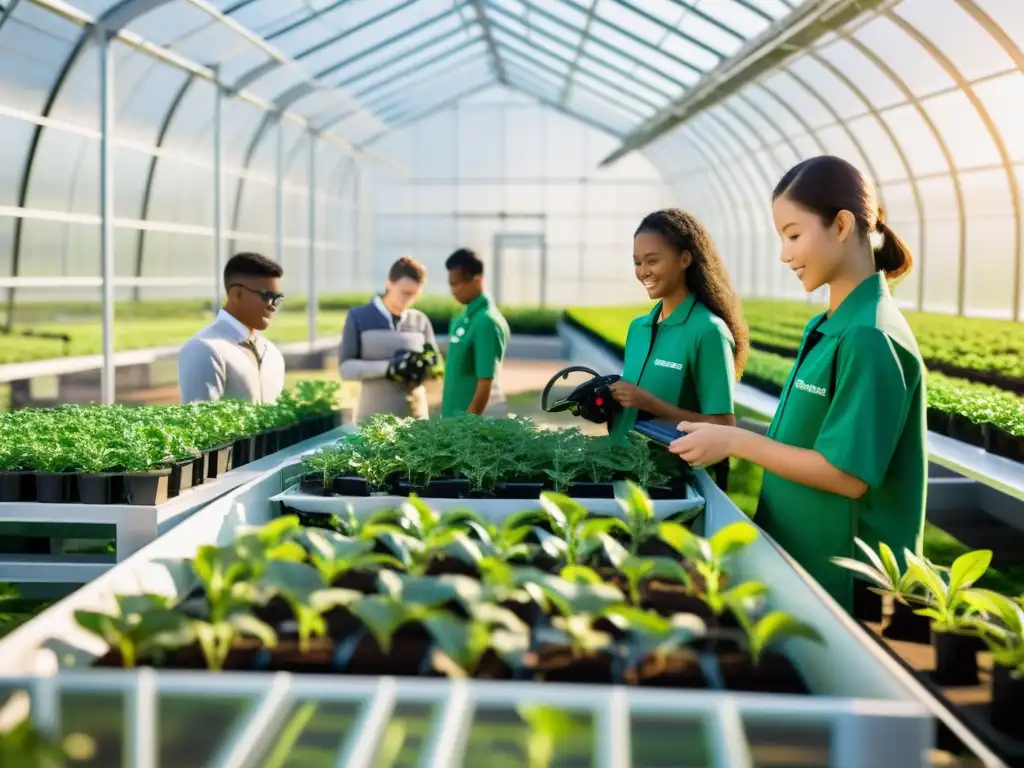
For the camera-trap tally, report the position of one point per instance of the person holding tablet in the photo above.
(845, 454)
(683, 357)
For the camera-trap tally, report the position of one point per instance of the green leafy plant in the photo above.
(884, 571)
(952, 605)
(142, 625)
(771, 629)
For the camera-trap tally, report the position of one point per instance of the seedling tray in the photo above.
(969, 703)
(293, 499)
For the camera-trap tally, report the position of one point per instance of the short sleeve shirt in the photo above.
(477, 342)
(856, 395)
(686, 360)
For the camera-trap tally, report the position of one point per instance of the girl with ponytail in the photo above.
(845, 455)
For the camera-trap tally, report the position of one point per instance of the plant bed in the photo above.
(288, 598)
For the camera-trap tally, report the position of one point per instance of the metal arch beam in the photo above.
(583, 86)
(911, 176)
(147, 190)
(254, 74)
(796, 31)
(842, 124)
(693, 10)
(737, 182)
(997, 139)
(766, 177)
(485, 25)
(560, 22)
(733, 205)
(433, 110)
(743, 153)
(954, 173)
(584, 36)
(390, 101)
(526, 75)
(574, 64)
(7, 12)
(783, 135)
(672, 30)
(373, 70)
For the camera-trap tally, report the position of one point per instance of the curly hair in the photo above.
(706, 276)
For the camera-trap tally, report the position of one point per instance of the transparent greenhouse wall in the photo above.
(163, 173)
(926, 99)
(502, 153)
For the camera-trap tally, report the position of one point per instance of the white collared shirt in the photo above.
(223, 316)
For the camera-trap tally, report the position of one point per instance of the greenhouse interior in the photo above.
(511, 383)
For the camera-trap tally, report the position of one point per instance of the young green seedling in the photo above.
(884, 571)
(951, 606)
(334, 555)
(773, 628)
(142, 624)
(650, 634)
(641, 524)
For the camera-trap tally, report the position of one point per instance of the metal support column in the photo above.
(279, 194)
(103, 45)
(218, 189)
(311, 300)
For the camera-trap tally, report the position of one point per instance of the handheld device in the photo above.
(658, 431)
(592, 400)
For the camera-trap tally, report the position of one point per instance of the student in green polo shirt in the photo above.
(683, 357)
(845, 454)
(477, 341)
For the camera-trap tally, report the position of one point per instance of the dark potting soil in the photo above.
(407, 655)
(557, 663)
(440, 565)
(671, 670)
(361, 581)
(773, 674)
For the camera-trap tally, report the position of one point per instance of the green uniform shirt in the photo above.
(857, 396)
(476, 347)
(689, 364)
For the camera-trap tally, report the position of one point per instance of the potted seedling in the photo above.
(572, 650)
(954, 612)
(658, 648)
(17, 479)
(1003, 634)
(762, 667)
(144, 627)
(905, 590)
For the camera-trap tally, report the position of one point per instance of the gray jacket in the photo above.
(371, 336)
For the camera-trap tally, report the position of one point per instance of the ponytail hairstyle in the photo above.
(826, 185)
(706, 277)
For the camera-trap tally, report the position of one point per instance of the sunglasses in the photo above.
(269, 297)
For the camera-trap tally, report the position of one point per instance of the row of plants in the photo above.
(941, 606)
(978, 414)
(977, 349)
(115, 454)
(472, 456)
(548, 594)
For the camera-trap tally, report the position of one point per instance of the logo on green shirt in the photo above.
(812, 388)
(668, 364)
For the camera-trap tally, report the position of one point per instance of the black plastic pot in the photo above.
(938, 421)
(1006, 712)
(519, 490)
(147, 489)
(181, 478)
(452, 488)
(271, 442)
(956, 659)
(98, 488)
(1002, 443)
(592, 490)
(966, 431)
(242, 451)
(906, 625)
(350, 486)
(199, 470)
(54, 487)
(218, 461)
(867, 605)
(17, 486)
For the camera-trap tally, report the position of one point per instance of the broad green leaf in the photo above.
(731, 539)
(631, 619)
(636, 504)
(777, 626)
(580, 574)
(419, 513)
(278, 528)
(497, 617)
(745, 591)
(247, 624)
(581, 598)
(402, 546)
(667, 569)
(563, 510)
(333, 546)
(323, 600)
(382, 616)
(923, 573)
(615, 552)
(553, 546)
(526, 518)
(892, 568)
(429, 591)
(968, 568)
(297, 579)
(602, 525)
(464, 548)
(676, 536)
(464, 642)
(103, 626)
(636, 568)
(462, 516)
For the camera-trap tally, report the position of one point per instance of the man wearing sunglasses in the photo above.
(230, 358)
